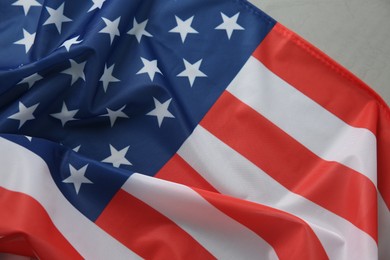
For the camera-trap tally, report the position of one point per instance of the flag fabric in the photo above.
(183, 129)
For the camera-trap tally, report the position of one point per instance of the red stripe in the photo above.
(333, 87)
(179, 171)
(270, 224)
(290, 236)
(147, 232)
(319, 77)
(27, 229)
(335, 187)
(16, 244)
(383, 137)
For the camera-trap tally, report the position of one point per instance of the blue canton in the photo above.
(116, 84)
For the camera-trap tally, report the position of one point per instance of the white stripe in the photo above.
(306, 121)
(232, 174)
(222, 236)
(25, 172)
(383, 229)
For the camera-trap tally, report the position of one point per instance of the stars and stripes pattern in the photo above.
(162, 129)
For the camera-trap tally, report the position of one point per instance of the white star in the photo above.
(27, 41)
(68, 43)
(65, 115)
(25, 113)
(114, 114)
(192, 71)
(229, 24)
(161, 111)
(30, 80)
(77, 177)
(183, 27)
(111, 28)
(76, 70)
(76, 149)
(117, 157)
(107, 77)
(57, 17)
(26, 4)
(96, 4)
(150, 67)
(138, 30)
(28, 137)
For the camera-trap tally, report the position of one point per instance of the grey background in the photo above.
(355, 33)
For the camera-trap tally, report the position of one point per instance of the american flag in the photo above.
(183, 129)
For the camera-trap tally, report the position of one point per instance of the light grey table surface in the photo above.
(355, 33)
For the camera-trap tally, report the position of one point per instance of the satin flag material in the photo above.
(183, 129)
